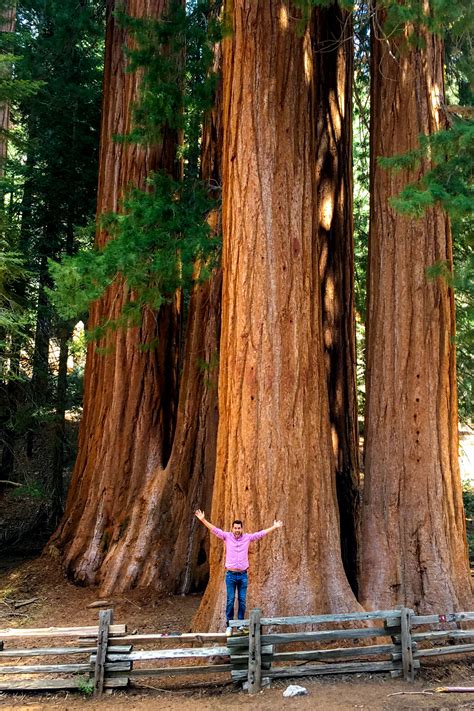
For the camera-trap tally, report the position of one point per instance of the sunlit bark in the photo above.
(413, 529)
(274, 456)
(130, 393)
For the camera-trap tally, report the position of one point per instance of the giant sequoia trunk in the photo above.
(130, 393)
(413, 529)
(129, 520)
(274, 456)
(162, 545)
(333, 69)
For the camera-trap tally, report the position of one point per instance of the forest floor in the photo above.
(60, 603)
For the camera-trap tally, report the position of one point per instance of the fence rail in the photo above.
(409, 642)
(95, 658)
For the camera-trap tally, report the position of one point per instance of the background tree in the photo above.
(413, 528)
(47, 185)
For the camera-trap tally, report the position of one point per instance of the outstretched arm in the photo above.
(276, 524)
(200, 515)
(260, 534)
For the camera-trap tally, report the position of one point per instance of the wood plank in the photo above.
(180, 671)
(58, 651)
(57, 684)
(105, 620)
(323, 636)
(439, 634)
(267, 650)
(254, 673)
(318, 669)
(321, 619)
(451, 649)
(46, 669)
(117, 666)
(46, 651)
(241, 646)
(200, 637)
(442, 619)
(12, 633)
(343, 652)
(190, 653)
(406, 645)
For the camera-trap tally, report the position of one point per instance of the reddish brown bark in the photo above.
(413, 529)
(163, 546)
(130, 394)
(333, 61)
(143, 533)
(274, 456)
(160, 544)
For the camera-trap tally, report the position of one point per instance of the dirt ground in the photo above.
(62, 604)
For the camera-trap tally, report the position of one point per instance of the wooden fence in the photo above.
(96, 658)
(103, 657)
(410, 637)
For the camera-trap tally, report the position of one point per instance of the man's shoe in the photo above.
(243, 630)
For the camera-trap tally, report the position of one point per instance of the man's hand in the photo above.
(200, 515)
(277, 524)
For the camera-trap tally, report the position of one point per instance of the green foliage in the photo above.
(176, 54)
(447, 158)
(361, 120)
(448, 180)
(435, 16)
(463, 283)
(163, 231)
(468, 499)
(85, 686)
(12, 318)
(155, 245)
(32, 490)
(61, 47)
(75, 388)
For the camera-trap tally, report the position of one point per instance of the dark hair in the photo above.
(238, 522)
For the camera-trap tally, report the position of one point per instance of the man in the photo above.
(236, 560)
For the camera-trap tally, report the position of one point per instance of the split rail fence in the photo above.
(409, 638)
(93, 659)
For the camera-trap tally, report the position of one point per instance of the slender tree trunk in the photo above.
(7, 24)
(333, 61)
(40, 374)
(413, 529)
(59, 428)
(8, 375)
(40, 378)
(130, 393)
(16, 392)
(274, 454)
(59, 437)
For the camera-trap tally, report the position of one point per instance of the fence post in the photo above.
(255, 653)
(105, 619)
(407, 644)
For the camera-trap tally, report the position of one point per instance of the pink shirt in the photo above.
(237, 549)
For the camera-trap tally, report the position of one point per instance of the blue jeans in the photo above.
(236, 581)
